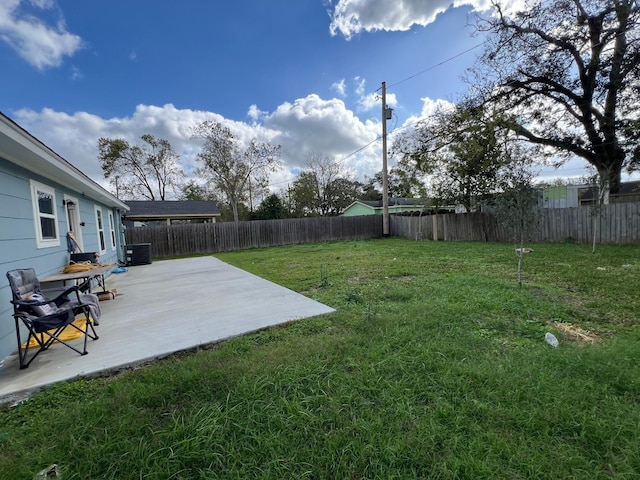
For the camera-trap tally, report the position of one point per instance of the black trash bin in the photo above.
(139, 254)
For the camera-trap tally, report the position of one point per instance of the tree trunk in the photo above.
(610, 178)
(521, 258)
(234, 208)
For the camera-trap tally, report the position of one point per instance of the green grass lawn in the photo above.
(434, 366)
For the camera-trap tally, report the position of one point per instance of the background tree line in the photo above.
(232, 174)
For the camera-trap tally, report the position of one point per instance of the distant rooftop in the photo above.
(626, 188)
(163, 208)
(395, 202)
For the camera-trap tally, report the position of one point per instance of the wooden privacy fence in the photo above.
(614, 223)
(187, 239)
(479, 227)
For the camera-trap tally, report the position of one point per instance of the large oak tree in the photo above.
(567, 74)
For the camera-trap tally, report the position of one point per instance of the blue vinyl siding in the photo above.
(18, 245)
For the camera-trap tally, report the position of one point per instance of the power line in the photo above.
(362, 148)
(341, 160)
(433, 67)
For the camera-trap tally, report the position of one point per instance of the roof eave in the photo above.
(137, 216)
(26, 151)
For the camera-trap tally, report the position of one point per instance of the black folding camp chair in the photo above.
(46, 318)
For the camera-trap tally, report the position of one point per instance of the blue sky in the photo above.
(300, 73)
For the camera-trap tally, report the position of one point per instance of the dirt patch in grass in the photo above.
(367, 278)
(405, 278)
(356, 279)
(575, 333)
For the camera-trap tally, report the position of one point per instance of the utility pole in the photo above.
(385, 180)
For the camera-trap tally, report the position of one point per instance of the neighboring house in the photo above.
(561, 196)
(42, 198)
(166, 212)
(396, 205)
(375, 207)
(629, 192)
(567, 196)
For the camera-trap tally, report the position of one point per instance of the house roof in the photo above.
(626, 188)
(172, 208)
(394, 202)
(21, 148)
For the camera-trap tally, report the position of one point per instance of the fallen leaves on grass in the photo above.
(575, 333)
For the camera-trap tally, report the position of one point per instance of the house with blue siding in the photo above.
(375, 207)
(405, 206)
(43, 198)
(569, 196)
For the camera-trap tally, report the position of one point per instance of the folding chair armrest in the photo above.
(30, 303)
(63, 296)
(27, 304)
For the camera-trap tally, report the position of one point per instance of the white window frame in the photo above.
(102, 240)
(112, 230)
(42, 242)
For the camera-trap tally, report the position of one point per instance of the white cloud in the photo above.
(372, 101)
(366, 101)
(312, 124)
(43, 4)
(369, 102)
(340, 88)
(75, 136)
(351, 17)
(76, 74)
(429, 108)
(360, 84)
(41, 45)
(255, 114)
(309, 124)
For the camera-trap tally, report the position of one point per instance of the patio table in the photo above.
(87, 276)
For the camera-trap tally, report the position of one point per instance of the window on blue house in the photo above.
(100, 227)
(112, 230)
(45, 215)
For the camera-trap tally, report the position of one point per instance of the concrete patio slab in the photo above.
(162, 308)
